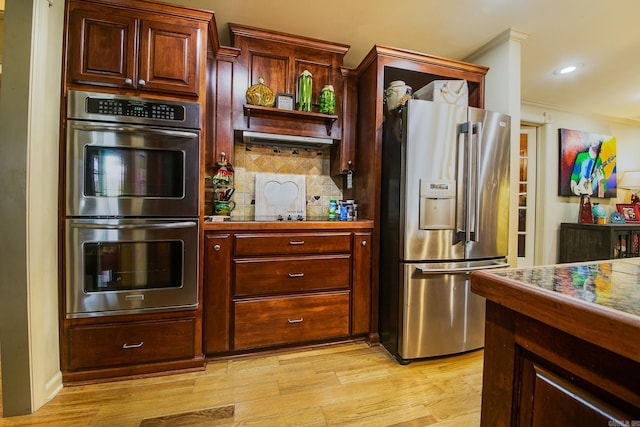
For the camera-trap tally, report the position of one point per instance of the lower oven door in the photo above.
(122, 266)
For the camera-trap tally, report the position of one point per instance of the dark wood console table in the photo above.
(593, 242)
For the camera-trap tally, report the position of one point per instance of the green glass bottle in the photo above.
(305, 89)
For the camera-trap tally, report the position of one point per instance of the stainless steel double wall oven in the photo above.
(132, 201)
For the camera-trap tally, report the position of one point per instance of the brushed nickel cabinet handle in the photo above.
(300, 320)
(293, 275)
(138, 345)
(363, 243)
(296, 242)
(216, 247)
(142, 82)
(128, 81)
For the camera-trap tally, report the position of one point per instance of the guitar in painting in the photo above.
(586, 184)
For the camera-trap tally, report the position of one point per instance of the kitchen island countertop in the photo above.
(561, 344)
(597, 301)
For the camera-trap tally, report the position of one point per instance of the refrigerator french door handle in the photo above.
(460, 234)
(477, 130)
(468, 157)
(460, 269)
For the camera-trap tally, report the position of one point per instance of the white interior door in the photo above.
(527, 196)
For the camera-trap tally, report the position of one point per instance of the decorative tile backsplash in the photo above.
(313, 164)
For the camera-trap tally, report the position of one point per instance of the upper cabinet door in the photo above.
(169, 59)
(134, 49)
(102, 48)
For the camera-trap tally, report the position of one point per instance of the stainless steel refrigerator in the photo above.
(444, 214)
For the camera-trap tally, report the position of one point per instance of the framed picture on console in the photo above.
(630, 212)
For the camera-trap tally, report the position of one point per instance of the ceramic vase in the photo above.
(396, 95)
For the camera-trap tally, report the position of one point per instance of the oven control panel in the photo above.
(117, 108)
(131, 108)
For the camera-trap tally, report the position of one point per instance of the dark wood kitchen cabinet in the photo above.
(137, 46)
(592, 242)
(133, 343)
(280, 58)
(133, 47)
(217, 289)
(104, 348)
(290, 287)
(273, 288)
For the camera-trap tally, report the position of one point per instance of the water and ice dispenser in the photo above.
(437, 204)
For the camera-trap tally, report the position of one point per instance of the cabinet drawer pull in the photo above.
(138, 345)
(300, 320)
(293, 275)
(296, 242)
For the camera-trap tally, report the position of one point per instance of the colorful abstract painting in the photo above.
(587, 164)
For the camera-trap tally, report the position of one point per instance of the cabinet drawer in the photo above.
(130, 343)
(275, 321)
(255, 276)
(291, 243)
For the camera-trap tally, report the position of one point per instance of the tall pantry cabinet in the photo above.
(137, 48)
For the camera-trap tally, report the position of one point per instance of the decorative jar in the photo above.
(599, 214)
(396, 95)
(260, 94)
(328, 100)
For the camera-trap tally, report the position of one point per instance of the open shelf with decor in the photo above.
(280, 113)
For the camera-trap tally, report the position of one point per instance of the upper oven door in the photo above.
(127, 170)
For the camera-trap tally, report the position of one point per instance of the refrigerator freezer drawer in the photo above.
(440, 314)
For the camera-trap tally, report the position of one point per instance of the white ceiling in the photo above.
(602, 36)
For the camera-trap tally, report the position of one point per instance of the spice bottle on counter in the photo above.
(332, 210)
(344, 206)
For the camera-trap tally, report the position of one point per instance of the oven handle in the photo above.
(182, 224)
(132, 129)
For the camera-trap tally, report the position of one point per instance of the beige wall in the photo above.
(1, 27)
(551, 209)
(502, 93)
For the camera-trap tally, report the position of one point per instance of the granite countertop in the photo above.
(614, 284)
(252, 223)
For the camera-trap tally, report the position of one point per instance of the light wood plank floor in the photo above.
(348, 384)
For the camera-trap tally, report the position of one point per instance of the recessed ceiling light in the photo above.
(566, 70)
